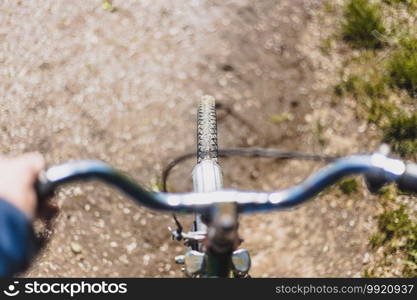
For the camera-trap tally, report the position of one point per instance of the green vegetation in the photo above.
(380, 111)
(319, 132)
(349, 186)
(407, 2)
(392, 226)
(359, 87)
(372, 95)
(398, 232)
(329, 7)
(108, 5)
(401, 134)
(370, 86)
(155, 184)
(326, 46)
(384, 85)
(281, 118)
(402, 67)
(362, 19)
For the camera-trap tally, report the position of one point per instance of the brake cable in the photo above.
(246, 152)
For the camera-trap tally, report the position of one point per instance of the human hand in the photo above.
(17, 179)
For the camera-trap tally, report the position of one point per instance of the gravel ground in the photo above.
(78, 81)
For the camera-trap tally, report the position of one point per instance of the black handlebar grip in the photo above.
(375, 180)
(44, 190)
(408, 181)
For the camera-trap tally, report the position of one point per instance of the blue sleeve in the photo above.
(16, 239)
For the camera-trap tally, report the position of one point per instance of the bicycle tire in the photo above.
(206, 175)
(207, 147)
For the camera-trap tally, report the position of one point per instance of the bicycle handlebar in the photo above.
(388, 170)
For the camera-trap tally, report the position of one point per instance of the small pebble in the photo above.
(76, 248)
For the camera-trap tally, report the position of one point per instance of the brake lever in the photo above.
(177, 233)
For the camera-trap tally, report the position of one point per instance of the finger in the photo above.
(29, 166)
(34, 161)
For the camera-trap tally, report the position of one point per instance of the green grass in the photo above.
(349, 186)
(359, 87)
(108, 5)
(361, 19)
(380, 111)
(371, 94)
(402, 67)
(319, 132)
(377, 86)
(407, 2)
(396, 1)
(326, 46)
(398, 232)
(281, 118)
(401, 134)
(329, 7)
(392, 226)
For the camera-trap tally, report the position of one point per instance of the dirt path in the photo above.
(80, 82)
